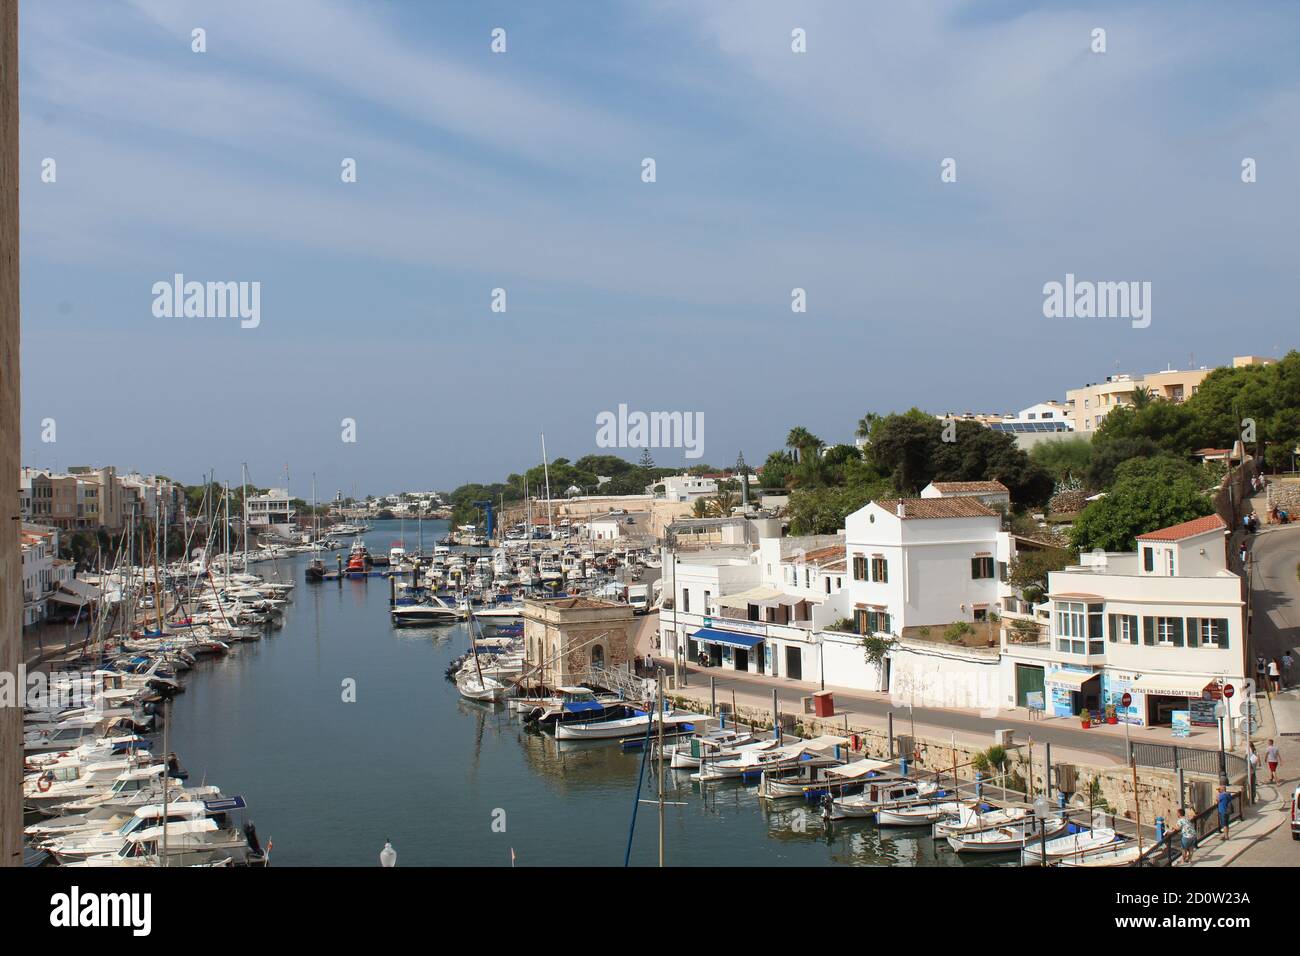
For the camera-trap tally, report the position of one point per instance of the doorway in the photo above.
(741, 660)
(794, 663)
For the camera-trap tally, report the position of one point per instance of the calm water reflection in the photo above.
(410, 761)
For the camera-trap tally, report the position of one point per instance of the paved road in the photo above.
(1275, 590)
(790, 694)
(1278, 848)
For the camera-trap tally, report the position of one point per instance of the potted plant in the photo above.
(1111, 716)
(1086, 718)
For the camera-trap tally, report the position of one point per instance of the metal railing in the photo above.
(1207, 822)
(1189, 759)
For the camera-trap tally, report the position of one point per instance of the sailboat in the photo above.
(315, 567)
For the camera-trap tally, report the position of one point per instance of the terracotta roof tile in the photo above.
(939, 507)
(971, 487)
(1188, 529)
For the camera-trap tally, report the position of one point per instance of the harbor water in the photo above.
(341, 733)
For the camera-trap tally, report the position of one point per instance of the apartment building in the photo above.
(1164, 624)
(1094, 401)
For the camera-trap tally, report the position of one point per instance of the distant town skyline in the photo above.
(523, 171)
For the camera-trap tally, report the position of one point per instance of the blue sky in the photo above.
(522, 170)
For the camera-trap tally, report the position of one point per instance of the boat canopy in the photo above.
(859, 768)
(710, 635)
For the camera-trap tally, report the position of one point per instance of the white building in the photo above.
(685, 487)
(1164, 624)
(271, 512)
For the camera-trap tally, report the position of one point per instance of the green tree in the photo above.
(802, 442)
(1134, 506)
(1066, 460)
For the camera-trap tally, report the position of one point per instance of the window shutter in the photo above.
(974, 568)
(1114, 628)
(1193, 632)
(1176, 631)
(1223, 633)
(1149, 631)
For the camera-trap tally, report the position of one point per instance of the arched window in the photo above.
(598, 656)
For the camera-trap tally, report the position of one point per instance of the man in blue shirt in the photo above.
(1225, 802)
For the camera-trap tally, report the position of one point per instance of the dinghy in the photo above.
(919, 814)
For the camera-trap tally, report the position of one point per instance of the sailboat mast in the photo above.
(546, 473)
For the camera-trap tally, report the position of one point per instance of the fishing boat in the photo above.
(1008, 838)
(1079, 844)
(836, 778)
(882, 794)
(633, 726)
(1124, 853)
(976, 818)
(918, 814)
(715, 745)
(756, 762)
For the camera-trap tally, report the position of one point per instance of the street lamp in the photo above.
(1220, 714)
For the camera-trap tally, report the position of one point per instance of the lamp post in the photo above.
(1220, 714)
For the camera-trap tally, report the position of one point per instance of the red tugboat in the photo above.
(359, 561)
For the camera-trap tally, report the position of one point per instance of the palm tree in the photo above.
(865, 423)
(1142, 397)
(701, 508)
(800, 440)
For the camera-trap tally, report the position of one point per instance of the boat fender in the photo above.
(45, 782)
(853, 742)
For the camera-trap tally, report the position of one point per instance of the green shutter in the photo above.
(974, 568)
(1149, 631)
(1223, 633)
(1176, 631)
(1114, 628)
(1193, 632)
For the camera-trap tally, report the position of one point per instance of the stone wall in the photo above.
(1158, 789)
(11, 718)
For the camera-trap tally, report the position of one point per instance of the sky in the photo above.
(523, 171)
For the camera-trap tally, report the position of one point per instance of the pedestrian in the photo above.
(1275, 675)
(1252, 759)
(1225, 804)
(1187, 831)
(1287, 662)
(1272, 758)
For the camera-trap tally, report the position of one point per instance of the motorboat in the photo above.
(434, 610)
(980, 817)
(837, 779)
(756, 762)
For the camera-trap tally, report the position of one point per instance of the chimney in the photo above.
(901, 510)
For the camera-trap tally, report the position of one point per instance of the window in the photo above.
(828, 584)
(1073, 627)
(1123, 629)
(1002, 570)
(860, 621)
(877, 621)
(807, 578)
(859, 568)
(753, 610)
(1207, 632)
(981, 568)
(879, 570)
(1148, 559)
(706, 602)
(1169, 562)
(1162, 631)
(686, 600)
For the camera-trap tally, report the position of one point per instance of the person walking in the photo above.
(1187, 834)
(1287, 662)
(1275, 675)
(1272, 758)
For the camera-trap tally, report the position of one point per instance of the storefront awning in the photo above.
(1075, 679)
(762, 596)
(711, 635)
(1171, 685)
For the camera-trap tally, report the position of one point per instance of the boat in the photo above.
(480, 687)
(919, 814)
(1079, 844)
(1007, 838)
(756, 762)
(633, 726)
(1116, 854)
(976, 818)
(359, 560)
(881, 794)
(433, 610)
(837, 779)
